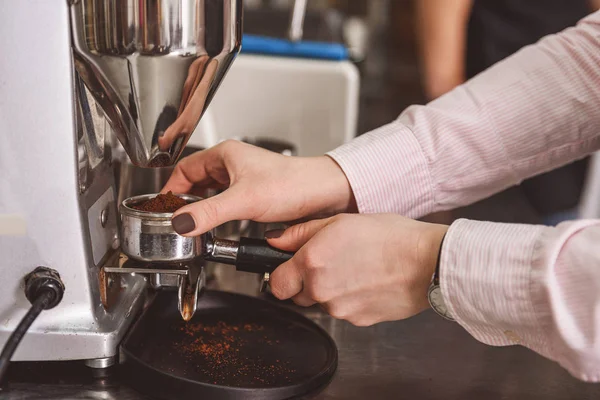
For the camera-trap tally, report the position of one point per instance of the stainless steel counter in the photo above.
(425, 357)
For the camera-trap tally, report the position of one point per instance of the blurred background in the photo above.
(381, 37)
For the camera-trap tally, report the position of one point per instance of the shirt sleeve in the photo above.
(534, 286)
(535, 111)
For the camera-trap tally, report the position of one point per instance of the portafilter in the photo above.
(149, 238)
(151, 246)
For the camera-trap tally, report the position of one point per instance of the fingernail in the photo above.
(183, 223)
(274, 234)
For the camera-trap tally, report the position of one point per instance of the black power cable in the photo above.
(15, 338)
(44, 290)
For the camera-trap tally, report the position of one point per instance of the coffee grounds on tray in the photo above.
(220, 346)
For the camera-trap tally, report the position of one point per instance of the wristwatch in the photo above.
(434, 294)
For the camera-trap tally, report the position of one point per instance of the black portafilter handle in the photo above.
(248, 255)
(256, 255)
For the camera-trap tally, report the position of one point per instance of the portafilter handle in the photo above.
(248, 255)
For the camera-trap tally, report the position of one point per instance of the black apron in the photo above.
(499, 28)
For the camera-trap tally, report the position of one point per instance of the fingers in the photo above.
(187, 172)
(286, 280)
(303, 300)
(296, 236)
(204, 168)
(202, 216)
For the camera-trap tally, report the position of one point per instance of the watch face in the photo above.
(436, 300)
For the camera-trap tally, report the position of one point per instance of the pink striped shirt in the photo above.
(506, 284)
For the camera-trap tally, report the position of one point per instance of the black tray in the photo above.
(235, 347)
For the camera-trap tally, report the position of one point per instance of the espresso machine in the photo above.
(75, 74)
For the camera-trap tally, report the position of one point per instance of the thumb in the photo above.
(204, 215)
(296, 236)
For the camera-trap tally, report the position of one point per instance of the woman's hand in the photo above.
(262, 186)
(362, 268)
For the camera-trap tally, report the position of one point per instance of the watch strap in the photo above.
(439, 305)
(436, 273)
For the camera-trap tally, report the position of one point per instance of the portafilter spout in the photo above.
(154, 66)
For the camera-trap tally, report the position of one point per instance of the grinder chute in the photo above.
(154, 66)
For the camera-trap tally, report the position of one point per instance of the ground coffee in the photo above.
(163, 203)
(227, 353)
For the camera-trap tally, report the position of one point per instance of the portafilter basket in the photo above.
(149, 236)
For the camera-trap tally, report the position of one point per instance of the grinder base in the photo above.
(235, 347)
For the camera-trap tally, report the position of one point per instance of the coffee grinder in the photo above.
(73, 74)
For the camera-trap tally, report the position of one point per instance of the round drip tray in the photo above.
(235, 347)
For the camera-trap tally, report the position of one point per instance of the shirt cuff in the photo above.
(392, 157)
(491, 285)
